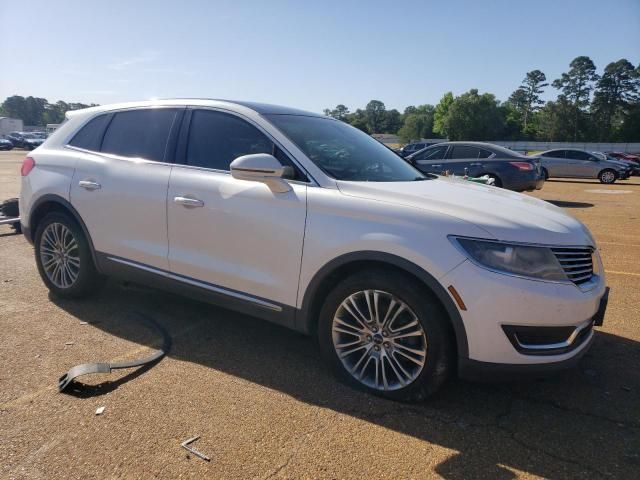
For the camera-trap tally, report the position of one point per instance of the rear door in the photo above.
(119, 187)
(467, 159)
(234, 237)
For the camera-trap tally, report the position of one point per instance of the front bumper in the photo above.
(496, 300)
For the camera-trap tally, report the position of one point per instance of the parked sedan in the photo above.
(625, 156)
(25, 140)
(632, 167)
(509, 169)
(5, 144)
(573, 163)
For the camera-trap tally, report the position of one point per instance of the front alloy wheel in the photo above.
(608, 176)
(383, 331)
(379, 340)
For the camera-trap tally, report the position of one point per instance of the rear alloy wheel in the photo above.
(64, 257)
(382, 333)
(607, 176)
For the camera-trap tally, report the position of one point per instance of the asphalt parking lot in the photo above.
(265, 406)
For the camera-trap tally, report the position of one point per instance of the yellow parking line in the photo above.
(623, 273)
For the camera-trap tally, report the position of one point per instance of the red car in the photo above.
(625, 156)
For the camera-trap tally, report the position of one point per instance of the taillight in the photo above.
(27, 165)
(522, 165)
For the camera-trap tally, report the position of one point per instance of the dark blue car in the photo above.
(509, 169)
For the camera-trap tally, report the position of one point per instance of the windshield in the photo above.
(28, 135)
(344, 152)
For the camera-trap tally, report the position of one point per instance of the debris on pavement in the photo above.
(100, 410)
(198, 454)
(69, 343)
(104, 367)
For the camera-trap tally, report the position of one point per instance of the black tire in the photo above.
(88, 279)
(545, 174)
(496, 180)
(607, 176)
(439, 359)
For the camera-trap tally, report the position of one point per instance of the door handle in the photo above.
(188, 202)
(436, 166)
(89, 185)
(476, 164)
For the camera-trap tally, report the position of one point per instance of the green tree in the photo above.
(526, 98)
(392, 121)
(358, 119)
(576, 86)
(554, 121)
(376, 114)
(340, 112)
(616, 91)
(440, 114)
(474, 117)
(418, 123)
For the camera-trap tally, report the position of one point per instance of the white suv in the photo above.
(307, 222)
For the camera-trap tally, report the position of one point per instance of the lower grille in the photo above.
(577, 262)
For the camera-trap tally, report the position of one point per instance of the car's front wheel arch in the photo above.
(348, 264)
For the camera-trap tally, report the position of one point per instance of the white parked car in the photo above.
(307, 222)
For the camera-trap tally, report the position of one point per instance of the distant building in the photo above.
(8, 125)
(51, 127)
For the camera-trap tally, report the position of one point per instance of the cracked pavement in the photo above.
(265, 406)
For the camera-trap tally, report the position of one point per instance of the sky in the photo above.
(305, 54)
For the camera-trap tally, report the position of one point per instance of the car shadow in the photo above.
(566, 204)
(579, 423)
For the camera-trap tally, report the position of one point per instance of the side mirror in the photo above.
(261, 167)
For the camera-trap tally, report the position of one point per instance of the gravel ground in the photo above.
(265, 406)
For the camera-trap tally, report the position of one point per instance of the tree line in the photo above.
(36, 111)
(589, 107)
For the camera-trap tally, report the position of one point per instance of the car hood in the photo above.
(503, 214)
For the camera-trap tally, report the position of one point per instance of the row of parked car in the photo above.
(27, 140)
(516, 171)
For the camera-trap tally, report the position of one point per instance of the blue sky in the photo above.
(305, 54)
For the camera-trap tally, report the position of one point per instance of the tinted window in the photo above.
(465, 152)
(555, 154)
(436, 153)
(484, 153)
(90, 135)
(578, 155)
(139, 133)
(344, 152)
(216, 139)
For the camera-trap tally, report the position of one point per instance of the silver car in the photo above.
(573, 163)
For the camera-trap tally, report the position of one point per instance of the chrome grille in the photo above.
(576, 262)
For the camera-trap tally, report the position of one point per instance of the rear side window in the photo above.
(216, 139)
(465, 152)
(89, 136)
(140, 133)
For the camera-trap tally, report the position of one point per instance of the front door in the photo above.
(232, 236)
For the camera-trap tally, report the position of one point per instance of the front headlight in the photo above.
(515, 259)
